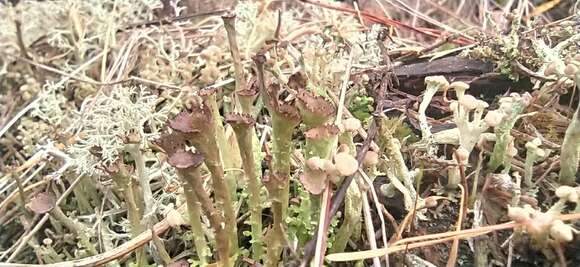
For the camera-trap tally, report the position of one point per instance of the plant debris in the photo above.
(289, 133)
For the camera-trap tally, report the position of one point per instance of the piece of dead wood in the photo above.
(448, 66)
(479, 74)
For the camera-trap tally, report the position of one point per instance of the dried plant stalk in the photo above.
(224, 146)
(230, 26)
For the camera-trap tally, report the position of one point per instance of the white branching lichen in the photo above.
(106, 119)
(50, 107)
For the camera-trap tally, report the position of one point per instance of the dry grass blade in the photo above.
(433, 239)
(455, 246)
(110, 255)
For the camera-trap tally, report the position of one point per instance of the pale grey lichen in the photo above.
(366, 49)
(255, 27)
(30, 134)
(65, 23)
(49, 108)
(107, 118)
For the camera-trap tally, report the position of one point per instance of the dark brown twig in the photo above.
(21, 44)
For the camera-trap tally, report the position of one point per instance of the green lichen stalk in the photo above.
(173, 145)
(122, 179)
(351, 225)
(511, 107)
(194, 216)
(214, 151)
(391, 148)
(284, 119)
(243, 127)
(133, 147)
(199, 127)
(224, 146)
(82, 232)
(570, 150)
(188, 168)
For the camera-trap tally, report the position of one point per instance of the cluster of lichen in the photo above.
(157, 125)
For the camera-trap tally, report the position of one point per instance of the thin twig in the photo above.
(321, 235)
(108, 256)
(324, 215)
(369, 228)
(88, 80)
(524, 70)
(174, 19)
(433, 239)
(20, 41)
(340, 193)
(455, 247)
(429, 32)
(378, 206)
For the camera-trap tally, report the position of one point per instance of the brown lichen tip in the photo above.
(207, 91)
(252, 87)
(370, 159)
(322, 132)
(259, 59)
(118, 167)
(315, 110)
(228, 16)
(285, 110)
(316, 174)
(272, 93)
(132, 137)
(314, 181)
(314, 177)
(351, 124)
(185, 159)
(249, 91)
(114, 167)
(41, 203)
(170, 142)
(238, 119)
(289, 113)
(183, 123)
(298, 81)
(196, 120)
(345, 163)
